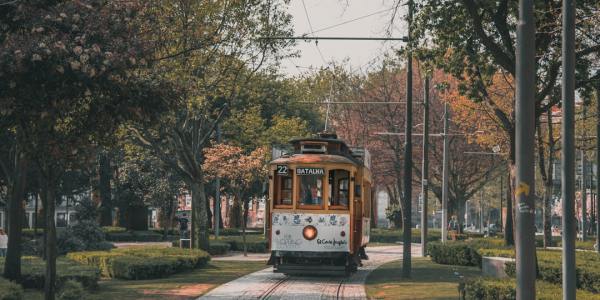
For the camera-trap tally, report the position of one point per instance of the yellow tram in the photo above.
(319, 208)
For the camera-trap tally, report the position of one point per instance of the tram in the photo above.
(319, 208)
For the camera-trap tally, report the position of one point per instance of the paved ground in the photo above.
(265, 284)
(239, 256)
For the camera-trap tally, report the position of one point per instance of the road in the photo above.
(265, 284)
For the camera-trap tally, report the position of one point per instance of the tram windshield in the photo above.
(339, 187)
(311, 189)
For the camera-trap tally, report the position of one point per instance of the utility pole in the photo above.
(407, 209)
(525, 135)
(598, 166)
(217, 214)
(425, 172)
(445, 176)
(568, 149)
(583, 187)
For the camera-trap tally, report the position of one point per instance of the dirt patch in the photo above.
(189, 291)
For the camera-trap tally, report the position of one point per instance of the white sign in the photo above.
(309, 171)
(333, 232)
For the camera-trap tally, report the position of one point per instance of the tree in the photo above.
(243, 171)
(70, 73)
(475, 43)
(213, 50)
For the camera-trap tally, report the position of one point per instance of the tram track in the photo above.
(269, 291)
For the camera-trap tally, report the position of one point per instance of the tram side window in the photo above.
(284, 186)
(367, 200)
(311, 189)
(339, 188)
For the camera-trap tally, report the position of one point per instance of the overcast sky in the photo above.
(325, 13)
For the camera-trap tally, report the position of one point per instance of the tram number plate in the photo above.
(282, 170)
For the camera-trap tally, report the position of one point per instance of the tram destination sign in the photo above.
(309, 171)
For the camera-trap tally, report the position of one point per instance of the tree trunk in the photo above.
(12, 265)
(104, 174)
(50, 239)
(547, 211)
(235, 216)
(245, 221)
(461, 214)
(209, 214)
(509, 238)
(200, 234)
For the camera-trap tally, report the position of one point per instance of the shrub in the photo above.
(113, 229)
(482, 289)
(143, 263)
(71, 290)
(85, 235)
(134, 236)
(218, 248)
(493, 289)
(136, 268)
(33, 270)
(455, 253)
(381, 235)
(550, 269)
(10, 290)
(254, 243)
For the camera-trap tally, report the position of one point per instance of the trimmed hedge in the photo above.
(71, 290)
(143, 263)
(33, 270)
(113, 229)
(455, 253)
(134, 236)
(504, 289)
(10, 290)
(550, 269)
(254, 243)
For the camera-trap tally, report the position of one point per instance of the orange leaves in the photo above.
(484, 118)
(231, 163)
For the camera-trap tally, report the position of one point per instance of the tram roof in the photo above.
(307, 158)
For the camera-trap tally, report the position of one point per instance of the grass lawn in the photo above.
(188, 285)
(429, 280)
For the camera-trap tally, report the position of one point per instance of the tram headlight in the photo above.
(309, 232)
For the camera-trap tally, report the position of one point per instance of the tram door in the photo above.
(358, 207)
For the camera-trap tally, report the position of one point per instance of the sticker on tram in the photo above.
(282, 170)
(310, 171)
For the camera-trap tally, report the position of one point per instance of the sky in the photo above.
(375, 16)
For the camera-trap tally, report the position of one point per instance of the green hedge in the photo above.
(71, 290)
(134, 236)
(504, 289)
(113, 229)
(33, 270)
(454, 253)
(143, 263)
(254, 243)
(550, 269)
(10, 290)
(216, 248)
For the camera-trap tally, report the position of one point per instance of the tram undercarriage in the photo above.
(316, 263)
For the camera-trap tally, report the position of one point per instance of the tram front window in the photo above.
(311, 190)
(339, 188)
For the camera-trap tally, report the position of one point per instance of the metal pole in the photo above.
(407, 209)
(425, 172)
(445, 176)
(583, 188)
(525, 135)
(217, 222)
(598, 167)
(568, 149)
